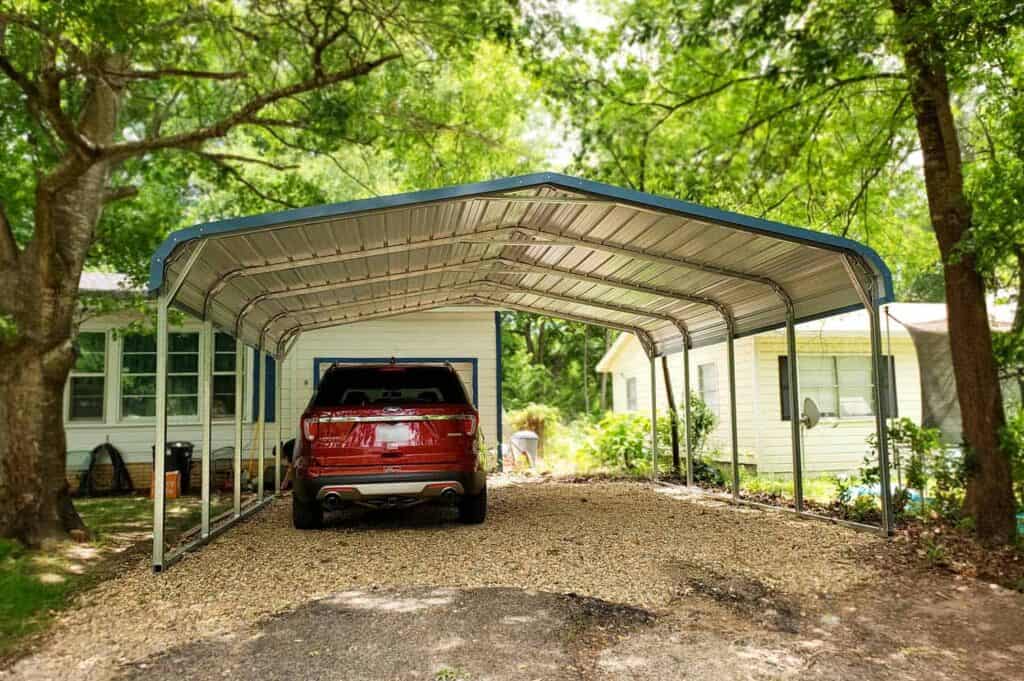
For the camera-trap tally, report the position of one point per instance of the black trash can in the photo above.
(178, 457)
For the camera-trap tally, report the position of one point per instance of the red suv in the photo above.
(388, 436)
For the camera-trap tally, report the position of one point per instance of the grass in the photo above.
(820, 489)
(29, 590)
(36, 583)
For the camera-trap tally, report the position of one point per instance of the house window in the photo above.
(707, 384)
(138, 375)
(631, 402)
(840, 385)
(87, 383)
(223, 376)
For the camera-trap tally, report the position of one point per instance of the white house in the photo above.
(833, 361)
(110, 396)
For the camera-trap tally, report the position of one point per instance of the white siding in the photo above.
(764, 438)
(468, 333)
(833, 445)
(633, 363)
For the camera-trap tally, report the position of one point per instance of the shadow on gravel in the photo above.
(413, 633)
(745, 596)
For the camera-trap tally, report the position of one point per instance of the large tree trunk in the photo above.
(40, 294)
(989, 498)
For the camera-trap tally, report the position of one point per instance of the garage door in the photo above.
(465, 367)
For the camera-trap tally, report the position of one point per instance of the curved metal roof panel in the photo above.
(656, 266)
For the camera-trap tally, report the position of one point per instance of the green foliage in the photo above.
(621, 441)
(1013, 445)
(542, 361)
(540, 418)
(912, 449)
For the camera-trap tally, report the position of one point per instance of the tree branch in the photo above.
(119, 193)
(157, 74)
(245, 114)
(218, 157)
(235, 173)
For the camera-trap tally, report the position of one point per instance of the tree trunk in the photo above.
(40, 294)
(989, 498)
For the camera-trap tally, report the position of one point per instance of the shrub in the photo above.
(619, 441)
(1013, 442)
(916, 456)
(542, 419)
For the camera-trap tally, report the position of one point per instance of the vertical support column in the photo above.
(205, 410)
(654, 419)
(794, 411)
(278, 412)
(731, 347)
(239, 424)
(260, 423)
(498, 370)
(881, 425)
(160, 439)
(689, 415)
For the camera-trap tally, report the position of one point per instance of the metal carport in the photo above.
(675, 274)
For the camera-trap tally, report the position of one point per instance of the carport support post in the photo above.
(278, 411)
(261, 421)
(160, 441)
(731, 347)
(206, 406)
(236, 469)
(654, 418)
(794, 410)
(880, 416)
(686, 402)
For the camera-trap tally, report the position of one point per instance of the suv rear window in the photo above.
(389, 385)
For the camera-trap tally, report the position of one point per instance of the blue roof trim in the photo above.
(629, 196)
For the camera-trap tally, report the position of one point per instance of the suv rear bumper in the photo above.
(417, 485)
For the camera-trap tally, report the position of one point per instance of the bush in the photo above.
(622, 441)
(540, 418)
(619, 441)
(916, 455)
(1013, 443)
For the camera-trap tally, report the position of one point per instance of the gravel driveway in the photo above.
(673, 576)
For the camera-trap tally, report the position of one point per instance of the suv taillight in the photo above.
(309, 429)
(467, 424)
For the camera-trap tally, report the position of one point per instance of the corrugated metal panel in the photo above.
(548, 242)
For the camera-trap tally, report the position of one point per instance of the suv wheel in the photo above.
(473, 509)
(306, 516)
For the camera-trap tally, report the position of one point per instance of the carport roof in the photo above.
(550, 243)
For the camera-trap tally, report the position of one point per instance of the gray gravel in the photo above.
(623, 542)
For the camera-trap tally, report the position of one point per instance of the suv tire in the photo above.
(473, 509)
(306, 516)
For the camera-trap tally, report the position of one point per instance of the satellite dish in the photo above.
(811, 415)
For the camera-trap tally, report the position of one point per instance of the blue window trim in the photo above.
(629, 196)
(270, 372)
(320, 361)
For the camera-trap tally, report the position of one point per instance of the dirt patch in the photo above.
(438, 634)
(746, 596)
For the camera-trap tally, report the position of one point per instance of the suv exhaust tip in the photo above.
(332, 501)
